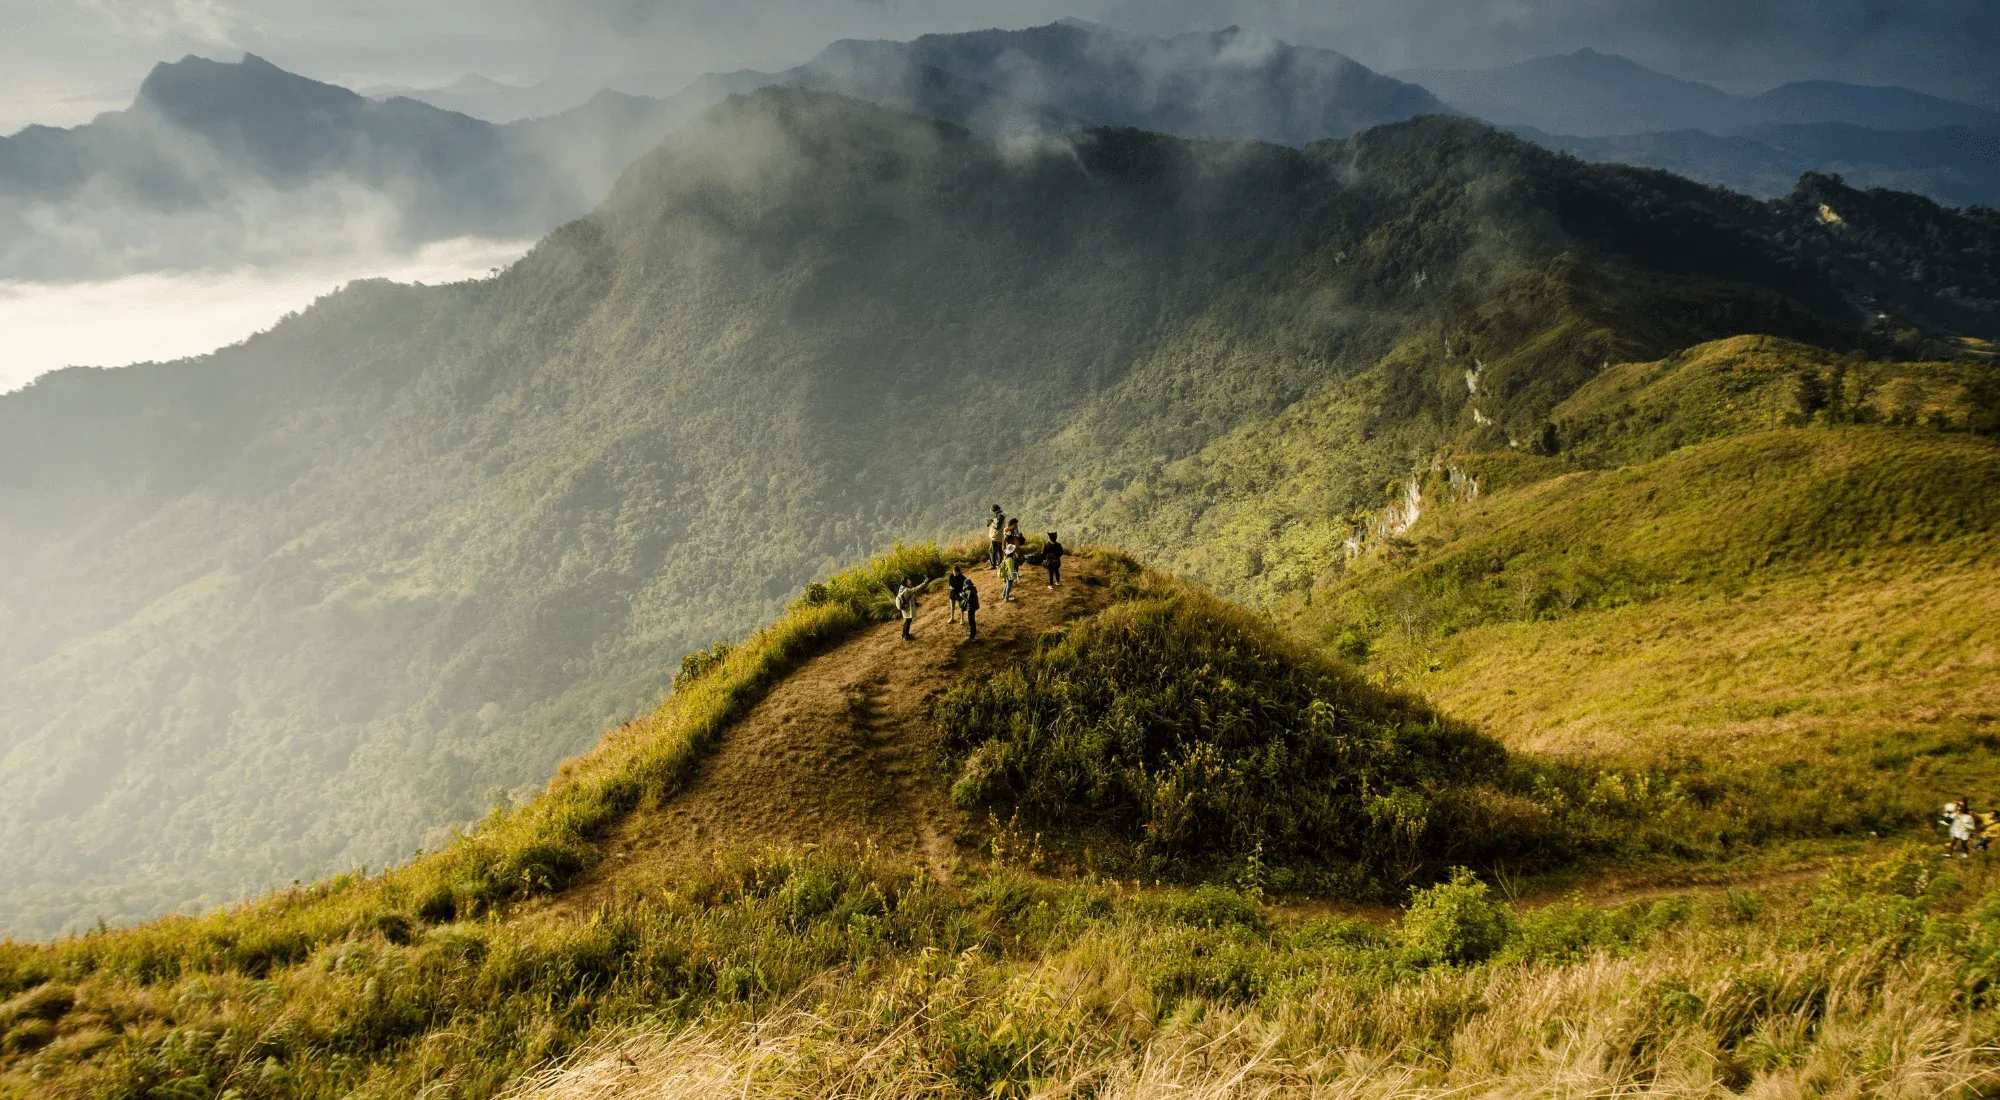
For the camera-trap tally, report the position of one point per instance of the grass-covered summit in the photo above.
(1188, 734)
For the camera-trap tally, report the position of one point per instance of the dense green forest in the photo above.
(309, 601)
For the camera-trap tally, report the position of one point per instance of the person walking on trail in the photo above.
(906, 602)
(956, 585)
(970, 601)
(1010, 568)
(1052, 556)
(996, 530)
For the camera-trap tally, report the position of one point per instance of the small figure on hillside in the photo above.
(970, 601)
(1989, 831)
(996, 531)
(1015, 539)
(1052, 556)
(1963, 824)
(956, 586)
(1010, 567)
(906, 602)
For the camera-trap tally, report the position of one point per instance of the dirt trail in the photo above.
(839, 753)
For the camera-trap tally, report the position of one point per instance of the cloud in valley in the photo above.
(162, 316)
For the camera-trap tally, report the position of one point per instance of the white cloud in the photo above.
(169, 316)
(199, 22)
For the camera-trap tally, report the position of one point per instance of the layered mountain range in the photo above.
(308, 601)
(1607, 108)
(1592, 94)
(224, 164)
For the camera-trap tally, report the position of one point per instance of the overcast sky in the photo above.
(63, 60)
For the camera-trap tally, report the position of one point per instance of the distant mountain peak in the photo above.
(196, 89)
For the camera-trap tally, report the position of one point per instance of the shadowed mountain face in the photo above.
(1071, 75)
(301, 603)
(1228, 84)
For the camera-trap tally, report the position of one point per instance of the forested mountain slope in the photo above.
(289, 606)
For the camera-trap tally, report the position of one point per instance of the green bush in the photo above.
(1454, 923)
(1209, 741)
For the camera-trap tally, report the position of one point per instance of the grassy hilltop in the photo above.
(362, 577)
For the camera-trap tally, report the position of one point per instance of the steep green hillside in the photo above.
(302, 603)
(1792, 609)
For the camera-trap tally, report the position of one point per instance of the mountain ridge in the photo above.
(1592, 94)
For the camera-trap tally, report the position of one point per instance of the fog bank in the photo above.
(163, 316)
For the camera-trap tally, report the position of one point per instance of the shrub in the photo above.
(1209, 741)
(698, 663)
(1454, 923)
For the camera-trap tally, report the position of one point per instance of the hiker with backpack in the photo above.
(970, 602)
(906, 602)
(1052, 556)
(996, 531)
(955, 584)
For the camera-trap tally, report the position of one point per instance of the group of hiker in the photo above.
(1969, 830)
(1007, 555)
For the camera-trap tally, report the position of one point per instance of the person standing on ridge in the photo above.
(1013, 542)
(1010, 567)
(1052, 556)
(996, 529)
(906, 602)
(970, 601)
(956, 584)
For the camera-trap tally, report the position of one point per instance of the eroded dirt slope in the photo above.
(840, 754)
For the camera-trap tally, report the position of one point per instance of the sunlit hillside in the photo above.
(308, 603)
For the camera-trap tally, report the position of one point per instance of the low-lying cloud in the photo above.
(170, 315)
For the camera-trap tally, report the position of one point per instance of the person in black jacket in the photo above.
(970, 601)
(1052, 556)
(956, 584)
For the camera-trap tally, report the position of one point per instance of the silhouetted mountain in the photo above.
(1591, 94)
(1606, 108)
(1872, 106)
(1585, 93)
(293, 605)
(1956, 166)
(493, 100)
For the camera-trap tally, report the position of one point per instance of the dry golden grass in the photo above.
(1824, 1026)
(1792, 666)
